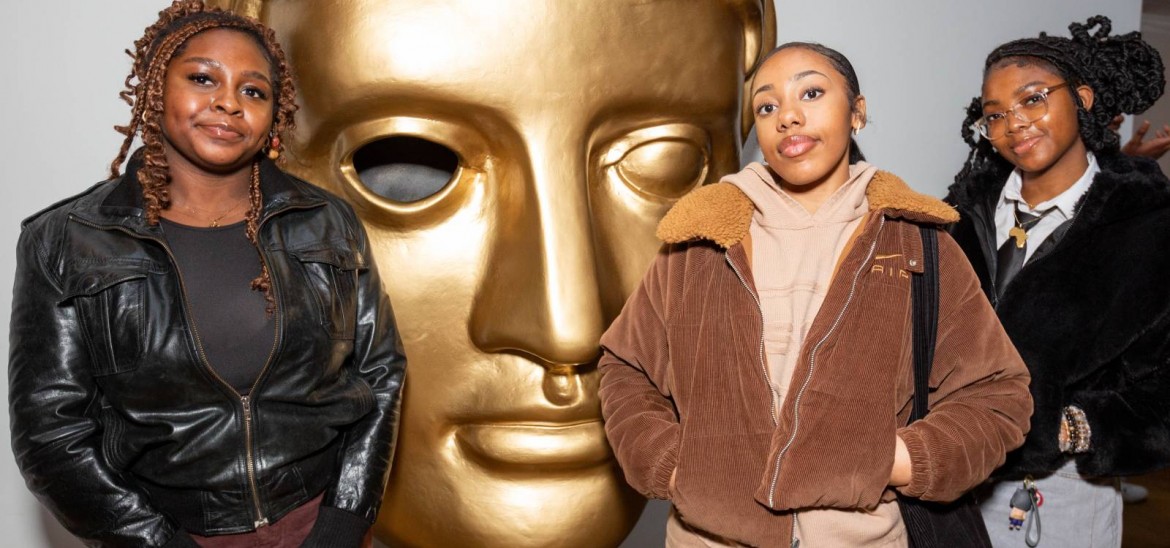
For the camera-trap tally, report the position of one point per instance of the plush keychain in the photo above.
(1026, 500)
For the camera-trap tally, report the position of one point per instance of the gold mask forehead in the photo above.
(758, 29)
(540, 75)
(575, 125)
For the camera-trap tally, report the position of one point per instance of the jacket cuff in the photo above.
(336, 528)
(920, 468)
(662, 472)
(181, 540)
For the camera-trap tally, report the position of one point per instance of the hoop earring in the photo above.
(856, 130)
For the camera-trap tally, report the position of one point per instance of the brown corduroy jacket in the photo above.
(684, 385)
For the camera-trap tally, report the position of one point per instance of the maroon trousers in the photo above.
(290, 531)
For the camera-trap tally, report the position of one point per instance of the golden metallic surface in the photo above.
(571, 126)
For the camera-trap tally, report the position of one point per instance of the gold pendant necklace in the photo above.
(216, 218)
(1020, 235)
(1020, 231)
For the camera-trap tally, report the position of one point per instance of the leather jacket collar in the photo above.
(124, 205)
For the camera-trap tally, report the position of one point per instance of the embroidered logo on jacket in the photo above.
(889, 268)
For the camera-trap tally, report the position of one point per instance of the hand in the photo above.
(1154, 148)
(900, 474)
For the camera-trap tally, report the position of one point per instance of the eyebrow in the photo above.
(216, 64)
(804, 74)
(1018, 91)
(797, 76)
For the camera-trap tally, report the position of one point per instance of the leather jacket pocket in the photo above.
(110, 302)
(331, 275)
(113, 432)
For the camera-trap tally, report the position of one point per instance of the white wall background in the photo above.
(58, 105)
(919, 63)
(1156, 31)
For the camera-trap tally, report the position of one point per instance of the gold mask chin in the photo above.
(510, 159)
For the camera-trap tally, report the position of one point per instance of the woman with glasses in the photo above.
(1071, 242)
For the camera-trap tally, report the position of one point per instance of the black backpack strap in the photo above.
(924, 306)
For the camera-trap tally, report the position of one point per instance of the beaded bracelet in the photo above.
(1079, 432)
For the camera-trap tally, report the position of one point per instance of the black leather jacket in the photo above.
(122, 429)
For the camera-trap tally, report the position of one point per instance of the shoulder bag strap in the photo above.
(924, 304)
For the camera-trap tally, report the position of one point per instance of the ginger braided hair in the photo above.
(153, 52)
(1125, 72)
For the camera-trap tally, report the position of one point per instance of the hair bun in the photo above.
(1125, 71)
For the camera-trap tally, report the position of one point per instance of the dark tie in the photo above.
(1010, 259)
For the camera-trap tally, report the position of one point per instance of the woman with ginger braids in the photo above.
(1069, 239)
(201, 350)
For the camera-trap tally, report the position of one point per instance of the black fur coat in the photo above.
(1090, 315)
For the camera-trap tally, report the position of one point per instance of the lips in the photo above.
(1024, 145)
(221, 131)
(549, 445)
(796, 145)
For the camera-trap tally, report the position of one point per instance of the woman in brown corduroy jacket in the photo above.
(760, 378)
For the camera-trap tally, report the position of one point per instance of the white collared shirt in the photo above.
(1064, 204)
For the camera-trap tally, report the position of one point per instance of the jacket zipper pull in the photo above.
(262, 521)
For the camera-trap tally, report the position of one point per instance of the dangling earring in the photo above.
(273, 147)
(856, 130)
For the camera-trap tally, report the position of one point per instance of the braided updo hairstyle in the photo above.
(1125, 73)
(153, 52)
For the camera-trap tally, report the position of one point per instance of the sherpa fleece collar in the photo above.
(722, 213)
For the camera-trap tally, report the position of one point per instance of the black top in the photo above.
(217, 266)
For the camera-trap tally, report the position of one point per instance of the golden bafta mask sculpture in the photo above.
(511, 159)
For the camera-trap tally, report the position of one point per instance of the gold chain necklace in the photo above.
(215, 217)
(1020, 231)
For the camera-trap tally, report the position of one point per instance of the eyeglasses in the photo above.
(1027, 110)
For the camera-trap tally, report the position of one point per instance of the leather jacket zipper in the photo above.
(763, 362)
(250, 463)
(249, 451)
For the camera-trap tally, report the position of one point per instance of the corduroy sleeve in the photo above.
(640, 418)
(979, 403)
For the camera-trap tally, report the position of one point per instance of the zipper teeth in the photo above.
(763, 363)
(249, 463)
(249, 457)
(794, 542)
(245, 401)
(812, 363)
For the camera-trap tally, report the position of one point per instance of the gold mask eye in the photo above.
(408, 172)
(405, 168)
(663, 162)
